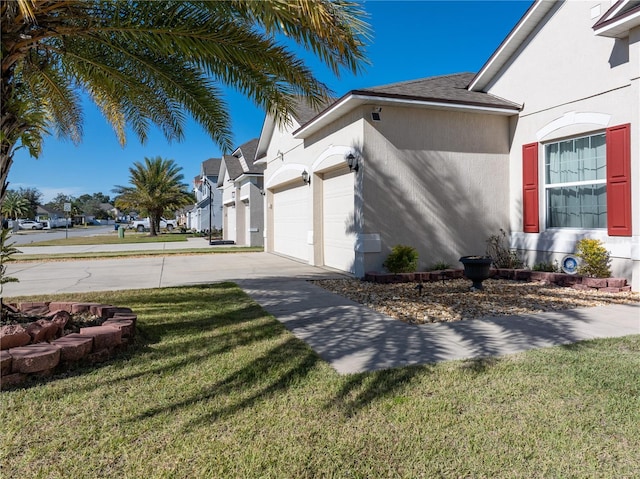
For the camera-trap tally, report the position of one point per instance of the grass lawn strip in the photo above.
(131, 254)
(218, 388)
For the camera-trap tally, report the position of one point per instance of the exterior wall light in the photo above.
(352, 161)
(306, 177)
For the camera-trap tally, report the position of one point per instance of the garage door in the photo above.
(291, 219)
(230, 219)
(338, 228)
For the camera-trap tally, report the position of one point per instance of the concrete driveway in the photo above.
(152, 272)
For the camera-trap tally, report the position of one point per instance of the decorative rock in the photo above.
(5, 362)
(111, 312)
(101, 310)
(34, 308)
(61, 318)
(13, 307)
(131, 316)
(42, 330)
(61, 306)
(74, 347)
(34, 358)
(126, 326)
(13, 336)
(616, 282)
(104, 337)
(82, 307)
(595, 282)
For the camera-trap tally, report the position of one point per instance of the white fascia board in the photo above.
(515, 38)
(619, 28)
(353, 101)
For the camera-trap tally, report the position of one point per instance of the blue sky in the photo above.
(411, 39)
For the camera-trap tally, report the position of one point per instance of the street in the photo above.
(23, 237)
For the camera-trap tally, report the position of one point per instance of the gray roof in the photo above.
(211, 167)
(248, 150)
(303, 112)
(442, 89)
(234, 168)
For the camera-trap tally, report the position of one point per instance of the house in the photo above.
(574, 159)
(241, 184)
(207, 212)
(542, 142)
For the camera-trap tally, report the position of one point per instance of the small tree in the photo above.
(6, 253)
(402, 259)
(595, 258)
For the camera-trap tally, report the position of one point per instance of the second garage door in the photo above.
(291, 222)
(338, 221)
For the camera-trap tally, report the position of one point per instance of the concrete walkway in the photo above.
(349, 336)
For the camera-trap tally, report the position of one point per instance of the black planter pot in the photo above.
(476, 268)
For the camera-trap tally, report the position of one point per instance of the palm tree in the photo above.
(157, 62)
(15, 206)
(156, 188)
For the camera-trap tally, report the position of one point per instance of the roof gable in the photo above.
(619, 19)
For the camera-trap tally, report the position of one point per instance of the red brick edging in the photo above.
(609, 285)
(39, 348)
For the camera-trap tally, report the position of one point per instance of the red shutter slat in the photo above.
(619, 180)
(530, 198)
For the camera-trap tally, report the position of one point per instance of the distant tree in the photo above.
(149, 63)
(156, 190)
(58, 201)
(34, 197)
(15, 206)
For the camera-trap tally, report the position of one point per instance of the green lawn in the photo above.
(130, 236)
(219, 389)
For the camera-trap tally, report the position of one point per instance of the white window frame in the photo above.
(547, 186)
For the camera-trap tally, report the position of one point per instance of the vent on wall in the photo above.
(375, 115)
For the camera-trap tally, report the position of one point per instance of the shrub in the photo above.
(440, 265)
(547, 266)
(402, 259)
(501, 254)
(595, 258)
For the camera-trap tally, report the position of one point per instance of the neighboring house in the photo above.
(207, 211)
(241, 184)
(437, 163)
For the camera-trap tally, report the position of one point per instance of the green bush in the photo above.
(402, 259)
(547, 266)
(501, 254)
(440, 265)
(596, 260)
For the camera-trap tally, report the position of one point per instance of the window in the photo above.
(576, 182)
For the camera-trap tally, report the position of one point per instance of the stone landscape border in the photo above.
(605, 285)
(39, 349)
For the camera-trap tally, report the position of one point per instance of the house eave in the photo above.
(511, 44)
(618, 27)
(355, 99)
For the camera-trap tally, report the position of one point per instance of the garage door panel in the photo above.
(290, 222)
(338, 221)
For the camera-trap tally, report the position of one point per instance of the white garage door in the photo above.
(230, 233)
(291, 222)
(338, 227)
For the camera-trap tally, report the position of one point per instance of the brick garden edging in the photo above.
(38, 348)
(609, 285)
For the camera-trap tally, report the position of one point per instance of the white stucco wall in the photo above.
(573, 83)
(435, 180)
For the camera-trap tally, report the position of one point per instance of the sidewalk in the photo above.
(351, 337)
(191, 243)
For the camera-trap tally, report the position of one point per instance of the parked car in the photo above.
(31, 225)
(143, 224)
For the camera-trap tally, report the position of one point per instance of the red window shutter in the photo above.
(530, 198)
(619, 180)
